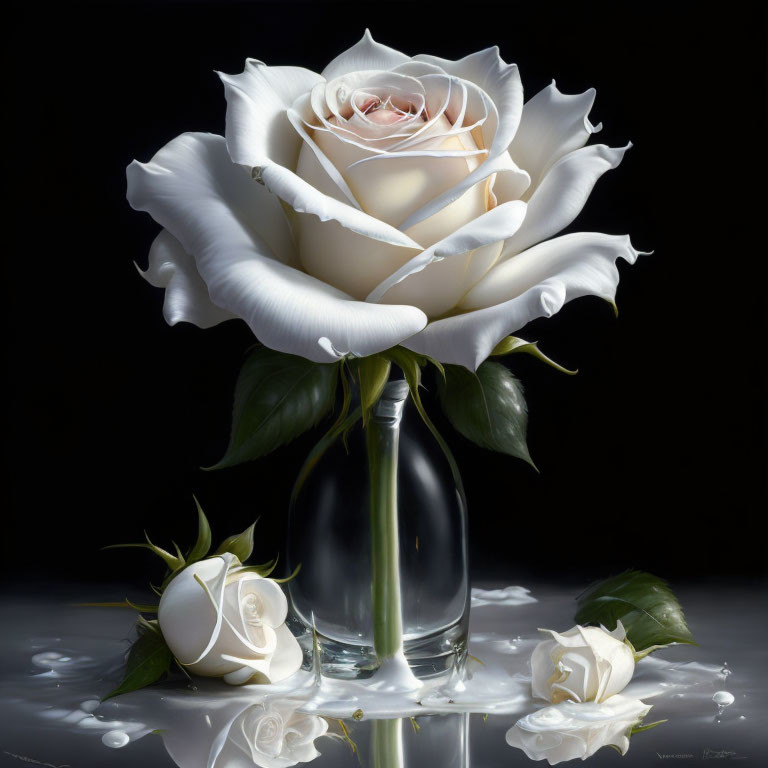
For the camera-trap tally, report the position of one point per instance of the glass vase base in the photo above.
(428, 656)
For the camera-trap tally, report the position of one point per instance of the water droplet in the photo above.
(742, 717)
(723, 699)
(208, 721)
(115, 739)
(341, 94)
(90, 705)
(725, 671)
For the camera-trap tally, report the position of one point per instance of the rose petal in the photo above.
(287, 658)
(274, 603)
(559, 198)
(501, 81)
(365, 54)
(261, 138)
(494, 225)
(536, 285)
(186, 295)
(226, 222)
(553, 124)
(258, 131)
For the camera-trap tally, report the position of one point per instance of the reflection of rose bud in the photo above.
(270, 733)
(569, 731)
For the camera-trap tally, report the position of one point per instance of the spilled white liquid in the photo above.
(66, 680)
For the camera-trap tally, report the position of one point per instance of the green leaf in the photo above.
(148, 660)
(293, 575)
(277, 398)
(645, 605)
(487, 407)
(174, 562)
(138, 607)
(263, 570)
(203, 543)
(372, 375)
(240, 545)
(514, 344)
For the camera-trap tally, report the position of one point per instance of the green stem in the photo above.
(382, 437)
(387, 741)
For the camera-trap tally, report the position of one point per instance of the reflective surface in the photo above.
(57, 660)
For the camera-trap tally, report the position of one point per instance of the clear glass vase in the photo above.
(379, 529)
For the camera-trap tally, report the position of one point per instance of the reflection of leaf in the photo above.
(277, 398)
(240, 545)
(148, 660)
(487, 407)
(644, 603)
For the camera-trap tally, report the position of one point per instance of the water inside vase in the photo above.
(330, 536)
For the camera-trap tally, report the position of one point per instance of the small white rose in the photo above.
(223, 622)
(569, 730)
(582, 664)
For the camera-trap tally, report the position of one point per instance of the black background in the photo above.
(654, 456)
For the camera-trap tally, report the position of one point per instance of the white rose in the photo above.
(569, 730)
(221, 622)
(389, 200)
(582, 664)
(271, 734)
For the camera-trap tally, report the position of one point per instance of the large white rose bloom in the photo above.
(389, 200)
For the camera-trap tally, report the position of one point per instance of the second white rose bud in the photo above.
(582, 664)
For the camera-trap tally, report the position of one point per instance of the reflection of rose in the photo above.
(418, 198)
(220, 621)
(270, 734)
(570, 730)
(582, 664)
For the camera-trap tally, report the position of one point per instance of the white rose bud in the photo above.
(569, 731)
(219, 622)
(582, 664)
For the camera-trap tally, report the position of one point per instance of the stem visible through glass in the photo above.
(382, 439)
